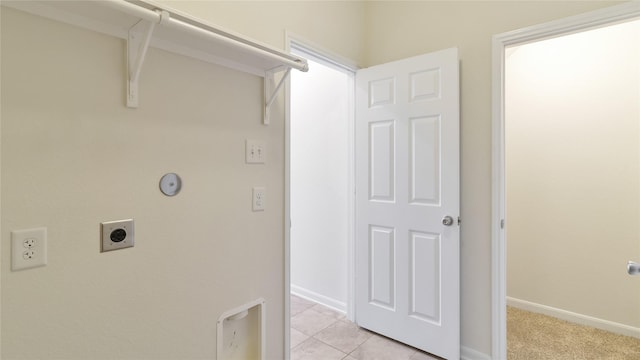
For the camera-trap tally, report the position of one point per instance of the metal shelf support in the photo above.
(271, 90)
(138, 42)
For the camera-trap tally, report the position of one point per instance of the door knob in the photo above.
(633, 268)
(447, 220)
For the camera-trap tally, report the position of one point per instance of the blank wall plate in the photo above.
(28, 248)
(117, 234)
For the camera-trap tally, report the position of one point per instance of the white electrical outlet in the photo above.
(259, 199)
(28, 248)
(255, 152)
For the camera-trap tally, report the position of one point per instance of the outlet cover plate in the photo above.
(116, 235)
(259, 198)
(28, 248)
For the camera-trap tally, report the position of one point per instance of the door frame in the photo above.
(295, 42)
(574, 24)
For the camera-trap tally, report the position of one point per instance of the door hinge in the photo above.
(501, 223)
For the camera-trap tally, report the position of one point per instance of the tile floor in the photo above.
(319, 333)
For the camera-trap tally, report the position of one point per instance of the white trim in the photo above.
(331, 303)
(471, 354)
(316, 51)
(498, 273)
(287, 218)
(575, 318)
(350, 310)
(1, 254)
(573, 24)
(590, 20)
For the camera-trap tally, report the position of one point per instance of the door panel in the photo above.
(407, 177)
(382, 149)
(382, 265)
(425, 161)
(425, 276)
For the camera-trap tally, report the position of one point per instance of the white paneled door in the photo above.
(407, 282)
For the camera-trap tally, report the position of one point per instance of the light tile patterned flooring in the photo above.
(319, 333)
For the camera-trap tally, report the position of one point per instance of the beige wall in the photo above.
(336, 26)
(572, 167)
(402, 29)
(73, 100)
(74, 156)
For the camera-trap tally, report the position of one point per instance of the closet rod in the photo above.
(201, 30)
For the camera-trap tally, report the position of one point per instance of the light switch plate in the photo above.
(117, 234)
(255, 152)
(28, 248)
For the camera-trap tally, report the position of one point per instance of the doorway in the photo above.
(319, 182)
(413, 103)
(408, 201)
(321, 179)
(574, 142)
(572, 121)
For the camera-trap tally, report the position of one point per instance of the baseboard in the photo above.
(471, 354)
(576, 318)
(318, 298)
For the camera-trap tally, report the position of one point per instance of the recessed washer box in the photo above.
(117, 234)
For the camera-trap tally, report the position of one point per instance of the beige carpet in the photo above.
(533, 336)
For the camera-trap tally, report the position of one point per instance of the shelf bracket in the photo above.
(271, 90)
(138, 42)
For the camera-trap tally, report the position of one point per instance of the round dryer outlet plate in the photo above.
(170, 184)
